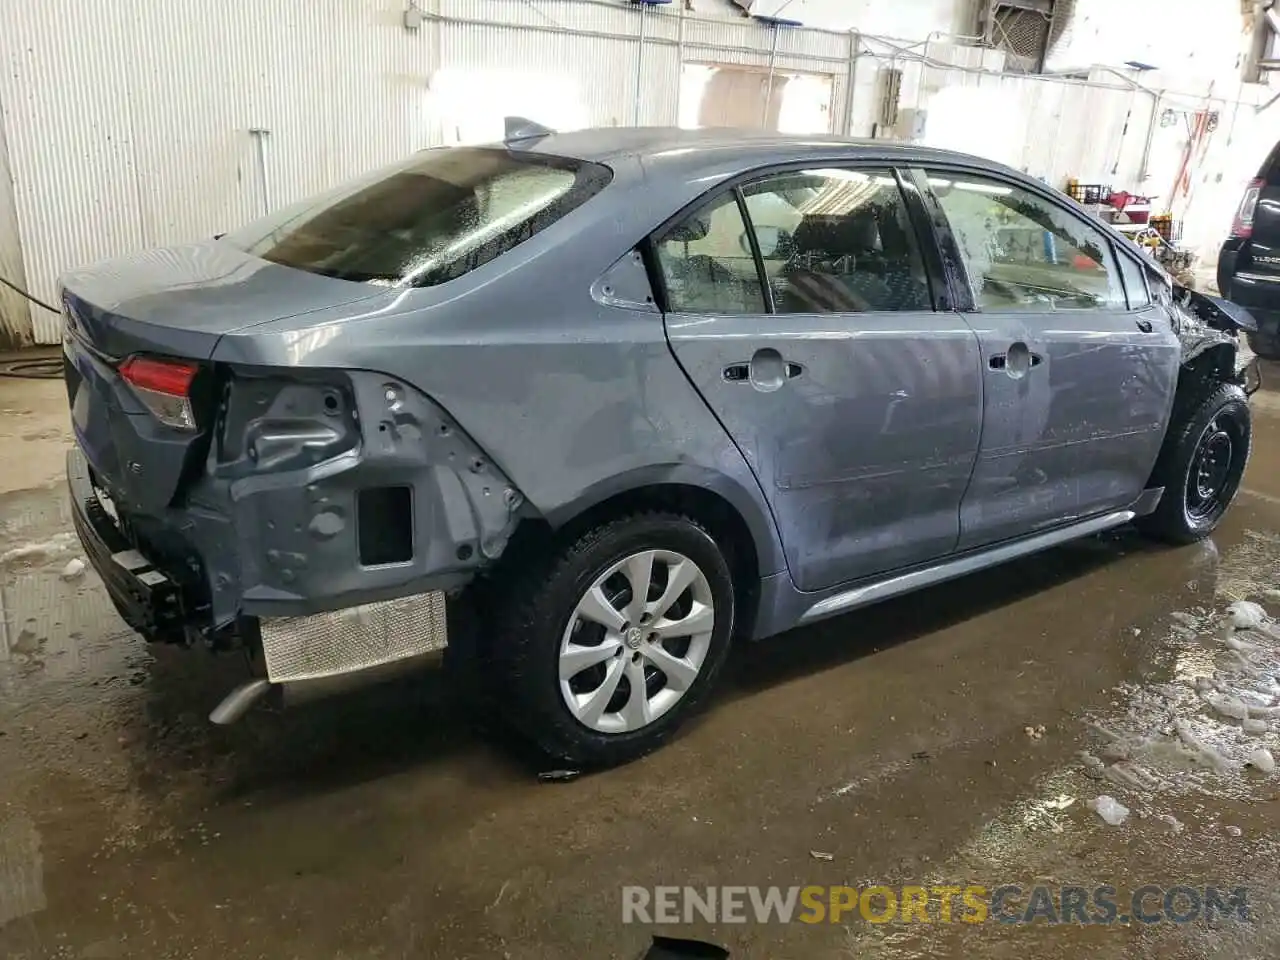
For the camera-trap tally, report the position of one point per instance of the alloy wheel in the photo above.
(636, 641)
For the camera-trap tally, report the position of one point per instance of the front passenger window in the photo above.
(1024, 253)
(707, 263)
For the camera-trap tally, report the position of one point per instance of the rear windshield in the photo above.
(431, 219)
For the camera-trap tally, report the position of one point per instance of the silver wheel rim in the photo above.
(636, 642)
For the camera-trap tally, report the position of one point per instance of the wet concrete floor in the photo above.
(902, 742)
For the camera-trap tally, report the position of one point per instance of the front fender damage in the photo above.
(1207, 330)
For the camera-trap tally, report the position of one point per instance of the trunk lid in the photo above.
(176, 303)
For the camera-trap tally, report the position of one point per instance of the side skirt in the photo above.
(860, 596)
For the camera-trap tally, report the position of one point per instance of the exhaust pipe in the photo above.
(293, 692)
(237, 703)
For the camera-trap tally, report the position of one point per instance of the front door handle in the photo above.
(1144, 325)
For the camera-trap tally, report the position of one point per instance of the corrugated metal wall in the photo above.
(128, 123)
(15, 311)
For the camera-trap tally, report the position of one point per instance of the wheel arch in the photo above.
(731, 514)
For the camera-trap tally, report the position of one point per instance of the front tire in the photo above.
(609, 646)
(1201, 466)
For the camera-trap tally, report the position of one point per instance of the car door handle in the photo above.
(1144, 325)
(766, 366)
(1000, 361)
(1016, 362)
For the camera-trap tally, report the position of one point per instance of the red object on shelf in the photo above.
(1136, 208)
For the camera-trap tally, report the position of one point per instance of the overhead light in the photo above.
(984, 188)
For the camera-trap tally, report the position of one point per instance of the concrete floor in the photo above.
(894, 739)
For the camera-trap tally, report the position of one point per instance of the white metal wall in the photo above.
(15, 311)
(128, 122)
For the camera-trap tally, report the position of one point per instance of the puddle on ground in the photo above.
(1189, 747)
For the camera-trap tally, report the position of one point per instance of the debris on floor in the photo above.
(73, 569)
(820, 855)
(1035, 733)
(1262, 760)
(39, 550)
(559, 776)
(1246, 615)
(1109, 809)
(678, 948)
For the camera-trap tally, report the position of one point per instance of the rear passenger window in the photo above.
(1135, 283)
(1022, 252)
(707, 262)
(837, 241)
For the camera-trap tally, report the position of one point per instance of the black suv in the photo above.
(1249, 264)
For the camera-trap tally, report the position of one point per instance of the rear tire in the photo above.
(595, 676)
(1200, 466)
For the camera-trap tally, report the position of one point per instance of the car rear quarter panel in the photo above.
(575, 397)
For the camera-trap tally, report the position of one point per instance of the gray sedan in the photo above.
(586, 408)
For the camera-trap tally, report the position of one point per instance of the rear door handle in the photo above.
(1144, 325)
(1016, 362)
(1000, 361)
(766, 361)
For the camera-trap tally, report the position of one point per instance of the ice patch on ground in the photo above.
(1109, 809)
(38, 550)
(1216, 727)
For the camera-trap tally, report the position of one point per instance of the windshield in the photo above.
(422, 222)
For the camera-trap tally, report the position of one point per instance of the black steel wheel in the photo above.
(1201, 466)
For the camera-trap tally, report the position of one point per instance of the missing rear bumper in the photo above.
(353, 639)
(329, 653)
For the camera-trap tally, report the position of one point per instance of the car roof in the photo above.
(757, 147)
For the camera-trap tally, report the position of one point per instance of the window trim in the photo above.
(762, 277)
(1142, 269)
(1047, 194)
(922, 231)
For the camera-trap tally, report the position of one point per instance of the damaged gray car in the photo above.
(583, 409)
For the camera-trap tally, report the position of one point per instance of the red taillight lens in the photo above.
(165, 387)
(1242, 226)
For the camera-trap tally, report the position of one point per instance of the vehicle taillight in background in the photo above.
(1242, 226)
(165, 387)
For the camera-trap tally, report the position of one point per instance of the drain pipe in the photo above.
(260, 135)
(644, 10)
(680, 64)
(768, 89)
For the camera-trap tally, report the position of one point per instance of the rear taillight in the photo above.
(1242, 226)
(165, 387)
